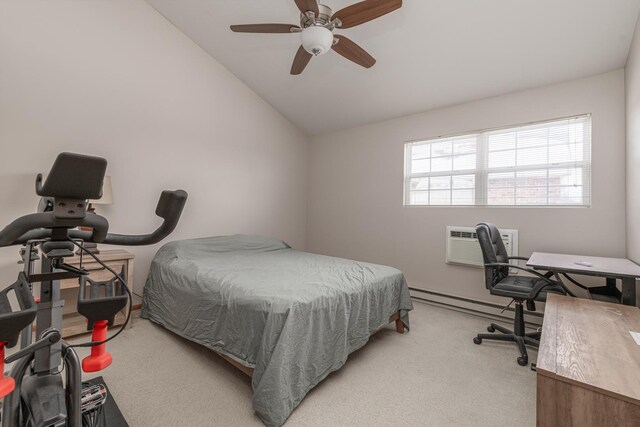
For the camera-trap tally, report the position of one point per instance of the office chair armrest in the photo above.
(536, 289)
(548, 274)
(528, 270)
(518, 258)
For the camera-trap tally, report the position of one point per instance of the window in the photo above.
(544, 164)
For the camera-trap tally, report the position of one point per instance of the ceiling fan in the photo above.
(317, 23)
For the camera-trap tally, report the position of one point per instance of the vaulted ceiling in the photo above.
(430, 53)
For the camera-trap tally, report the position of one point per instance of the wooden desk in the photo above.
(611, 268)
(588, 369)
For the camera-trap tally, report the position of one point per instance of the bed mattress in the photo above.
(292, 316)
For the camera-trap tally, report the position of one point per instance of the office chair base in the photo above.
(518, 336)
(532, 339)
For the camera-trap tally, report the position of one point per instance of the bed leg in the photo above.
(395, 317)
(399, 326)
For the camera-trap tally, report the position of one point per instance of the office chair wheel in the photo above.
(477, 340)
(523, 361)
(491, 328)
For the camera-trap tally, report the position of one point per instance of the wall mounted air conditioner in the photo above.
(463, 247)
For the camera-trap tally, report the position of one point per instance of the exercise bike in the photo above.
(35, 394)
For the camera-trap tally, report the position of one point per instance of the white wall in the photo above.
(632, 74)
(356, 183)
(115, 79)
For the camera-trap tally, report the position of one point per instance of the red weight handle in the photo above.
(7, 384)
(99, 358)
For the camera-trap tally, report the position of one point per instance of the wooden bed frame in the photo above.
(395, 317)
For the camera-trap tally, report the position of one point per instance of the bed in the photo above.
(286, 318)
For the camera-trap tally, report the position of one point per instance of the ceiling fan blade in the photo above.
(300, 61)
(353, 52)
(263, 28)
(308, 5)
(365, 11)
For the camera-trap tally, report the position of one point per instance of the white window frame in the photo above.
(409, 177)
(482, 170)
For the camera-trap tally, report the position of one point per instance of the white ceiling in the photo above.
(430, 53)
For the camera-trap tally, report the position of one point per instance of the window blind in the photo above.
(541, 164)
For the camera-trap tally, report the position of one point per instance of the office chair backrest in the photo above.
(493, 250)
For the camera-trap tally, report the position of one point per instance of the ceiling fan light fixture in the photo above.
(317, 22)
(317, 40)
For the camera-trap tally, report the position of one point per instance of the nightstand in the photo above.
(74, 323)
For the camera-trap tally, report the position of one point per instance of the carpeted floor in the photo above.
(431, 376)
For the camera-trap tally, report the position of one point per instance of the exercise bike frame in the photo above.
(36, 373)
(45, 362)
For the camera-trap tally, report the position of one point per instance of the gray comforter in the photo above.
(292, 316)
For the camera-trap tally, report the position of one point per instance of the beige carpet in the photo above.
(431, 376)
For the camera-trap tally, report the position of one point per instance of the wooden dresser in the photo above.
(588, 369)
(74, 323)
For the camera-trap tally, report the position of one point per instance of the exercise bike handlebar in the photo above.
(169, 208)
(40, 225)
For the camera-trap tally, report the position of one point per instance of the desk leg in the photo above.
(629, 291)
(609, 290)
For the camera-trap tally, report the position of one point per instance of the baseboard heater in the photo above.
(480, 308)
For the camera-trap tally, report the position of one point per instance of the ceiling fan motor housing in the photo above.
(323, 18)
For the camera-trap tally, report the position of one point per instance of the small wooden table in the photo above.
(588, 368)
(610, 268)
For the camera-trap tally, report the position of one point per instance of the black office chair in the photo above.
(519, 288)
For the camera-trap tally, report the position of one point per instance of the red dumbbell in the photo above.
(7, 384)
(99, 358)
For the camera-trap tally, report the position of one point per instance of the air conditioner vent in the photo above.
(463, 234)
